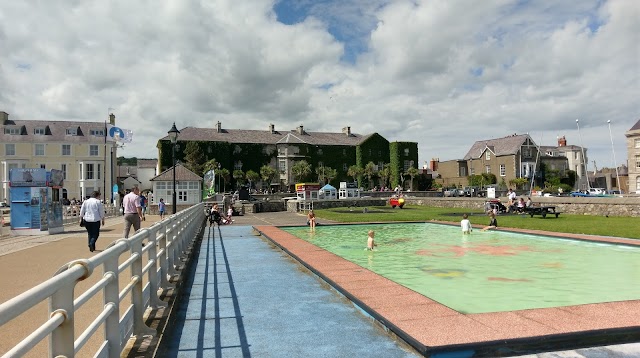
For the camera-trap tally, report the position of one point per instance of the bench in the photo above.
(542, 211)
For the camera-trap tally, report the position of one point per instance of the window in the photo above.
(463, 171)
(72, 131)
(93, 150)
(12, 130)
(503, 170)
(636, 143)
(39, 149)
(161, 185)
(282, 166)
(369, 152)
(319, 151)
(97, 132)
(406, 152)
(487, 168)
(43, 166)
(487, 155)
(637, 161)
(89, 172)
(526, 152)
(63, 168)
(237, 165)
(99, 170)
(10, 149)
(473, 171)
(379, 153)
(40, 131)
(344, 167)
(182, 196)
(344, 152)
(66, 149)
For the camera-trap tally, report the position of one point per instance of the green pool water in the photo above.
(490, 271)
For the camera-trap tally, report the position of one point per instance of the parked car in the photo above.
(595, 191)
(454, 192)
(471, 191)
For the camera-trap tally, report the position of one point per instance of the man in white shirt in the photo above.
(512, 199)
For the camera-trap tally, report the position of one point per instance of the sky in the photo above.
(442, 73)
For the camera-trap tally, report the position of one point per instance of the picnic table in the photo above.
(542, 210)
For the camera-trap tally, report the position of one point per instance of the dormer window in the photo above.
(12, 130)
(487, 155)
(97, 132)
(39, 131)
(72, 131)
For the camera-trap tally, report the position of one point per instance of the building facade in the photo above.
(238, 149)
(633, 157)
(78, 149)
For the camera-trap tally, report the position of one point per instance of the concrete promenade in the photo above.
(241, 297)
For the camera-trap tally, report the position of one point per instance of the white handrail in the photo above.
(165, 244)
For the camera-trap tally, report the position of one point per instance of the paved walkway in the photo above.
(243, 298)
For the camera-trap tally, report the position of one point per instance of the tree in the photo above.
(519, 183)
(194, 158)
(209, 165)
(238, 175)
(384, 174)
(252, 177)
(300, 170)
(330, 173)
(224, 173)
(323, 172)
(412, 172)
(355, 172)
(267, 173)
(370, 172)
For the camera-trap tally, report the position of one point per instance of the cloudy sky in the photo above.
(442, 73)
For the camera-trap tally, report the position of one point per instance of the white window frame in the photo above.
(487, 168)
(68, 146)
(38, 149)
(636, 143)
(487, 155)
(89, 173)
(39, 131)
(72, 131)
(94, 150)
(12, 130)
(637, 161)
(10, 149)
(503, 170)
(97, 132)
(63, 168)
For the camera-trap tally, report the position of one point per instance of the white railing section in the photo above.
(165, 244)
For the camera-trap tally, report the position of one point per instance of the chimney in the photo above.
(112, 119)
(4, 117)
(434, 164)
(300, 129)
(347, 131)
(562, 142)
(219, 127)
(272, 128)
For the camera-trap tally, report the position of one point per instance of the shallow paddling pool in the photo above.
(491, 271)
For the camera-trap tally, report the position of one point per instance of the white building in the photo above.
(188, 187)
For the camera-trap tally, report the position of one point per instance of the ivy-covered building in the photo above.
(245, 150)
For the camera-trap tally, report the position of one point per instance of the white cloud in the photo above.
(441, 73)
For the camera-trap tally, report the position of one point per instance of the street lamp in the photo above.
(615, 163)
(219, 176)
(173, 135)
(584, 160)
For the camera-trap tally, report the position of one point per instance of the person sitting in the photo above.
(493, 223)
(311, 220)
(214, 215)
(520, 205)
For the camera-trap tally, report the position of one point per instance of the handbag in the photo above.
(82, 222)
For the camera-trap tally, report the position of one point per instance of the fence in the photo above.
(165, 243)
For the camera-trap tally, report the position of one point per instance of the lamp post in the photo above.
(584, 160)
(615, 163)
(173, 135)
(219, 176)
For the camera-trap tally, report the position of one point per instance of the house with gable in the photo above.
(188, 188)
(242, 149)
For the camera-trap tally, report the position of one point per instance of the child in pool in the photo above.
(465, 224)
(370, 241)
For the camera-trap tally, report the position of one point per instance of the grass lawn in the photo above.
(578, 224)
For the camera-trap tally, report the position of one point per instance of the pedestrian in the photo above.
(161, 208)
(465, 224)
(371, 243)
(92, 212)
(132, 211)
(143, 206)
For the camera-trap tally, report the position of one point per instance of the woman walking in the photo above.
(92, 212)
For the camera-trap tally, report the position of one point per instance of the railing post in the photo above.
(154, 300)
(177, 249)
(111, 295)
(137, 298)
(172, 236)
(164, 264)
(62, 338)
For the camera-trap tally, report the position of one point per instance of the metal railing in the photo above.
(165, 243)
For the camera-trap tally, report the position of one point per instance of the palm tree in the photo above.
(412, 172)
(267, 173)
(238, 175)
(252, 177)
(300, 170)
(384, 174)
(355, 172)
(224, 173)
(322, 172)
(369, 172)
(330, 173)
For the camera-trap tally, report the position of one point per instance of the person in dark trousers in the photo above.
(92, 212)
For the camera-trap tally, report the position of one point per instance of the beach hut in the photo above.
(328, 192)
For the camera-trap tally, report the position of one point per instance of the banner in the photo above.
(117, 134)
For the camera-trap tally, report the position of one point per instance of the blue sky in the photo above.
(442, 73)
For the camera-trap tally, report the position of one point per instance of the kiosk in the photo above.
(306, 193)
(35, 205)
(348, 190)
(328, 192)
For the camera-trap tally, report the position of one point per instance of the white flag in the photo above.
(117, 134)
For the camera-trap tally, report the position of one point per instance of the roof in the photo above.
(268, 137)
(182, 174)
(147, 163)
(328, 187)
(509, 145)
(55, 131)
(635, 126)
(127, 170)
